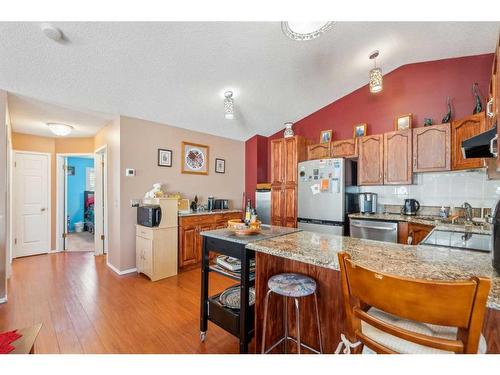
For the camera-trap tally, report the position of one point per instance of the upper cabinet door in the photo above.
(277, 161)
(397, 158)
(290, 160)
(460, 131)
(431, 148)
(347, 148)
(318, 151)
(371, 160)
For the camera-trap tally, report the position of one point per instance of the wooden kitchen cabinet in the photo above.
(347, 148)
(286, 153)
(190, 240)
(460, 131)
(432, 148)
(412, 233)
(371, 160)
(318, 151)
(397, 158)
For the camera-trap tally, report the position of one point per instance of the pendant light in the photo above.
(228, 105)
(376, 79)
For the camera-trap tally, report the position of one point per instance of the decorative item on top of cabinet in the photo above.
(325, 136)
(447, 118)
(431, 148)
(318, 151)
(496, 94)
(360, 130)
(371, 160)
(397, 158)
(347, 148)
(285, 154)
(477, 99)
(403, 122)
(288, 130)
(190, 240)
(461, 130)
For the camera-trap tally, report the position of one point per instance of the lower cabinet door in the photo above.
(147, 265)
(188, 246)
(199, 240)
(290, 198)
(277, 203)
(139, 253)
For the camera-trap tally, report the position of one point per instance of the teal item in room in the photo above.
(76, 188)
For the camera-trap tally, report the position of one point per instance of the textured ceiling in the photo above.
(31, 116)
(176, 72)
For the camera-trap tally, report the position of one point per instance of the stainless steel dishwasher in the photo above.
(386, 231)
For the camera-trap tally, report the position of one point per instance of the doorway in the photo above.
(101, 200)
(31, 201)
(76, 201)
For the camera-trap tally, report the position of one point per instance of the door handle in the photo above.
(378, 228)
(493, 149)
(42, 209)
(489, 105)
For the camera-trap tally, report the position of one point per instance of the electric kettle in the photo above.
(410, 207)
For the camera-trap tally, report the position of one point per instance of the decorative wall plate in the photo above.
(194, 158)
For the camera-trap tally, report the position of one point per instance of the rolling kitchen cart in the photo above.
(239, 323)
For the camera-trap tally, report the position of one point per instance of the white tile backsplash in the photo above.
(442, 189)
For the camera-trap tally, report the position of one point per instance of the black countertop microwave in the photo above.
(149, 215)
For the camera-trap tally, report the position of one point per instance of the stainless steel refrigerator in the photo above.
(326, 193)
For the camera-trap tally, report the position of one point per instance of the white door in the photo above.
(31, 204)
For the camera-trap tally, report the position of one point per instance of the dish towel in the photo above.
(6, 339)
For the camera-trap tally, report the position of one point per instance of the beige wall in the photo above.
(28, 142)
(139, 143)
(3, 195)
(110, 136)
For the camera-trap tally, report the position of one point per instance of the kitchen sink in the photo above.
(459, 240)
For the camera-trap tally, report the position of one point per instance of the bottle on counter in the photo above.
(253, 216)
(248, 212)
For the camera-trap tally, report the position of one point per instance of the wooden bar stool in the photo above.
(296, 286)
(390, 314)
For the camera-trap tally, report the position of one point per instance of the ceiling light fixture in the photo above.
(60, 130)
(305, 30)
(376, 79)
(52, 32)
(228, 105)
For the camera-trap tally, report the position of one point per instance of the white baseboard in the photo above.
(3, 300)
(116, 270)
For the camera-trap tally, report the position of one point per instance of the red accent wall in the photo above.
(256, 162)
(420, 89)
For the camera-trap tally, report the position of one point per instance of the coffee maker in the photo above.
(495, 236)
(367, 203)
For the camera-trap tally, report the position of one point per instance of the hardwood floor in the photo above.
(86, 308)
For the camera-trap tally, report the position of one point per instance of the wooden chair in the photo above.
(390, 314)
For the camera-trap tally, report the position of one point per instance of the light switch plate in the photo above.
(135, 202)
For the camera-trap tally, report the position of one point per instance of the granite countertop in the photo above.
(422, 262)
(266, 233)
(425, 220)
(213, 212)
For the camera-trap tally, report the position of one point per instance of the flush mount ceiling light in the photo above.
(61, 130)
(228, 105)
(51, 32)
(376, 80)
(305, 30)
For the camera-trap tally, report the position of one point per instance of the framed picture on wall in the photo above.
(164, 158)
(220, 166)
(194, 158)
(359, 130)
(325, 136)
(403, 122)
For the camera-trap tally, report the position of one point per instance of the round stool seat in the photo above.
(292, 285)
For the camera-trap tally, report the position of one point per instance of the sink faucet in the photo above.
(468, 212)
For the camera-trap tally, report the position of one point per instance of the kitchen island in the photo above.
(315, 254)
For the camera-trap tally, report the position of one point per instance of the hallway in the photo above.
(87, 308)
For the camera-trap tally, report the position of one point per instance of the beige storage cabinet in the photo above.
(156, 248)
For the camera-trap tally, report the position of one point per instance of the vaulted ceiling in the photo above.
(176, 72)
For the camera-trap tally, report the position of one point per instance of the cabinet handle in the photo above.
(489, 105)
(414, 162)
(494, 149)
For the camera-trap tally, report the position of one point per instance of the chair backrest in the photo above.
(459, 304)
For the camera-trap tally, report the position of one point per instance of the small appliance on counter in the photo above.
(495, 236)
(211, 203)
(410, 207)
(367, 203)
(149, 215)
(221, 204)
